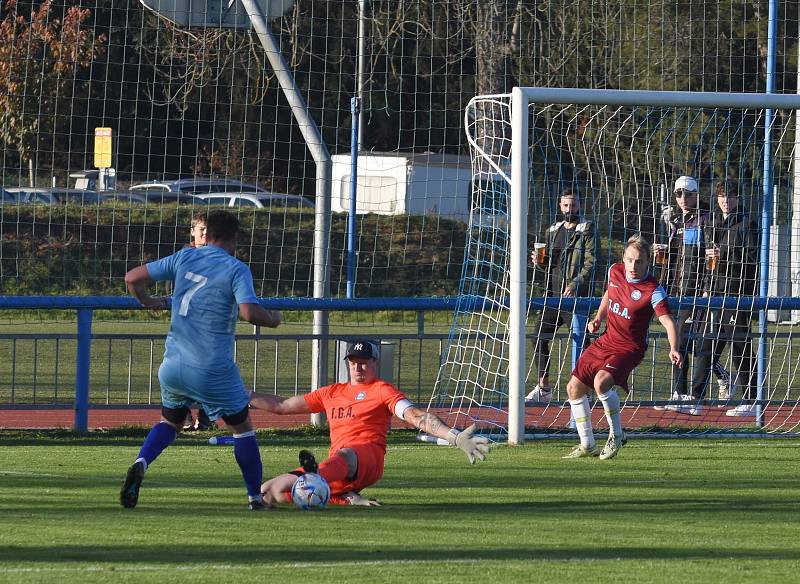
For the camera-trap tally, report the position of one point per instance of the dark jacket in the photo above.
(574, 265)
(684, 274)
(737, 269)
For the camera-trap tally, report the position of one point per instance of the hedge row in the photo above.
(87, 250)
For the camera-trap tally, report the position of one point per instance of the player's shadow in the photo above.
(282, 554)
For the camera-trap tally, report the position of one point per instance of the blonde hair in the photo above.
(640, 243)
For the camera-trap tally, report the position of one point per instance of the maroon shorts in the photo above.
(618, 362)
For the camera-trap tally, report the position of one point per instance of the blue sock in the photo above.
(161, 435)
(248, 456)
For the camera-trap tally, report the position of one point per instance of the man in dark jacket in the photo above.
(684, 275)
(566, 264)
(732, 258)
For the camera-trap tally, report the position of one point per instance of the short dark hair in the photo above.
(728, 188)
(569, 193)
(221, 226)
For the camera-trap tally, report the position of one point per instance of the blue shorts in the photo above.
(221, 392)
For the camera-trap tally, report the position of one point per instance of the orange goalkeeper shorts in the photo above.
(370, 470)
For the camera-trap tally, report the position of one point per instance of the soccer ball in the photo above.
(310, 491)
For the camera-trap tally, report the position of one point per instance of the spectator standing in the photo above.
(683, 274)
(567, 261)
(198, 239)
(732, 259)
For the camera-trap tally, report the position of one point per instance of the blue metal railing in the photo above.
(85, 307)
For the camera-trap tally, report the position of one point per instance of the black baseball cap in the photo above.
(364, 349)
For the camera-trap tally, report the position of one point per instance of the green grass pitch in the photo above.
(663, 511)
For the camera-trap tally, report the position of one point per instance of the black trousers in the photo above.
(686, 332)
(546, 326)
(722, 327)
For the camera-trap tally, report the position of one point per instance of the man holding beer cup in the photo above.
(565, 263)
(731, 270)
(683, 262)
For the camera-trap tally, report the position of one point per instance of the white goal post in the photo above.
(500, 135)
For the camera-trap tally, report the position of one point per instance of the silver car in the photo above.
(199, 185)
(53, 195)
(256, 200)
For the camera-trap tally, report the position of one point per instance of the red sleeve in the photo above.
(662, 308)
(316, 399)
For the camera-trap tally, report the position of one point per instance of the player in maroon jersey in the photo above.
(628, 305)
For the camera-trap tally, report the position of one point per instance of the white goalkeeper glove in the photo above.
(473, 446)
(354, 498)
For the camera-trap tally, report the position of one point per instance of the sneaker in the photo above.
(256, 504)
(613, 445)
(129, 494)
(188, 424)
(727, 391)
(742, 411)
(308, 461)
(689, 405)
(540, 394)
(727, 386)
(695, 408)
(203, 421)
(674, 397)
(581, 451)
(676, 407)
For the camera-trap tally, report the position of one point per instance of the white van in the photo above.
(393, 184)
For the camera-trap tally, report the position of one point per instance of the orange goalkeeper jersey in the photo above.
(357, 414)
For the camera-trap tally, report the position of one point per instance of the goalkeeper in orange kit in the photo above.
(359, 413)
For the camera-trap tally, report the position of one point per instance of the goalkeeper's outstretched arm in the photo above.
(473, 446)
(279, 405)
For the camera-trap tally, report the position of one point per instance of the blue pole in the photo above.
(766, 210)
(82, 362)
(355, 109)
(579, 322)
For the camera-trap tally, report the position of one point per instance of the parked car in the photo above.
(199, 185)
(54, 195)
(257, 200)
(149, 197)
(124, 198)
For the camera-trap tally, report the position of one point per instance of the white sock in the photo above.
(610, 401)
(142, 460)
(582, 414)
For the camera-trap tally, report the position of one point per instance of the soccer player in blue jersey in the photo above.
(198, 364)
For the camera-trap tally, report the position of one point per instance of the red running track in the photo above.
(781, 419)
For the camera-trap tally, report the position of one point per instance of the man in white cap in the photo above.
(683, 275)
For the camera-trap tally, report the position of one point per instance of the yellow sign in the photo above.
(102, 147)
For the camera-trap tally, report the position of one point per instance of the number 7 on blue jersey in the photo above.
(199, 282)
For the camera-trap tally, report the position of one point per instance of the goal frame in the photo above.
(521, 98)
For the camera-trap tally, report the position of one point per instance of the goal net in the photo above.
(620, 155)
